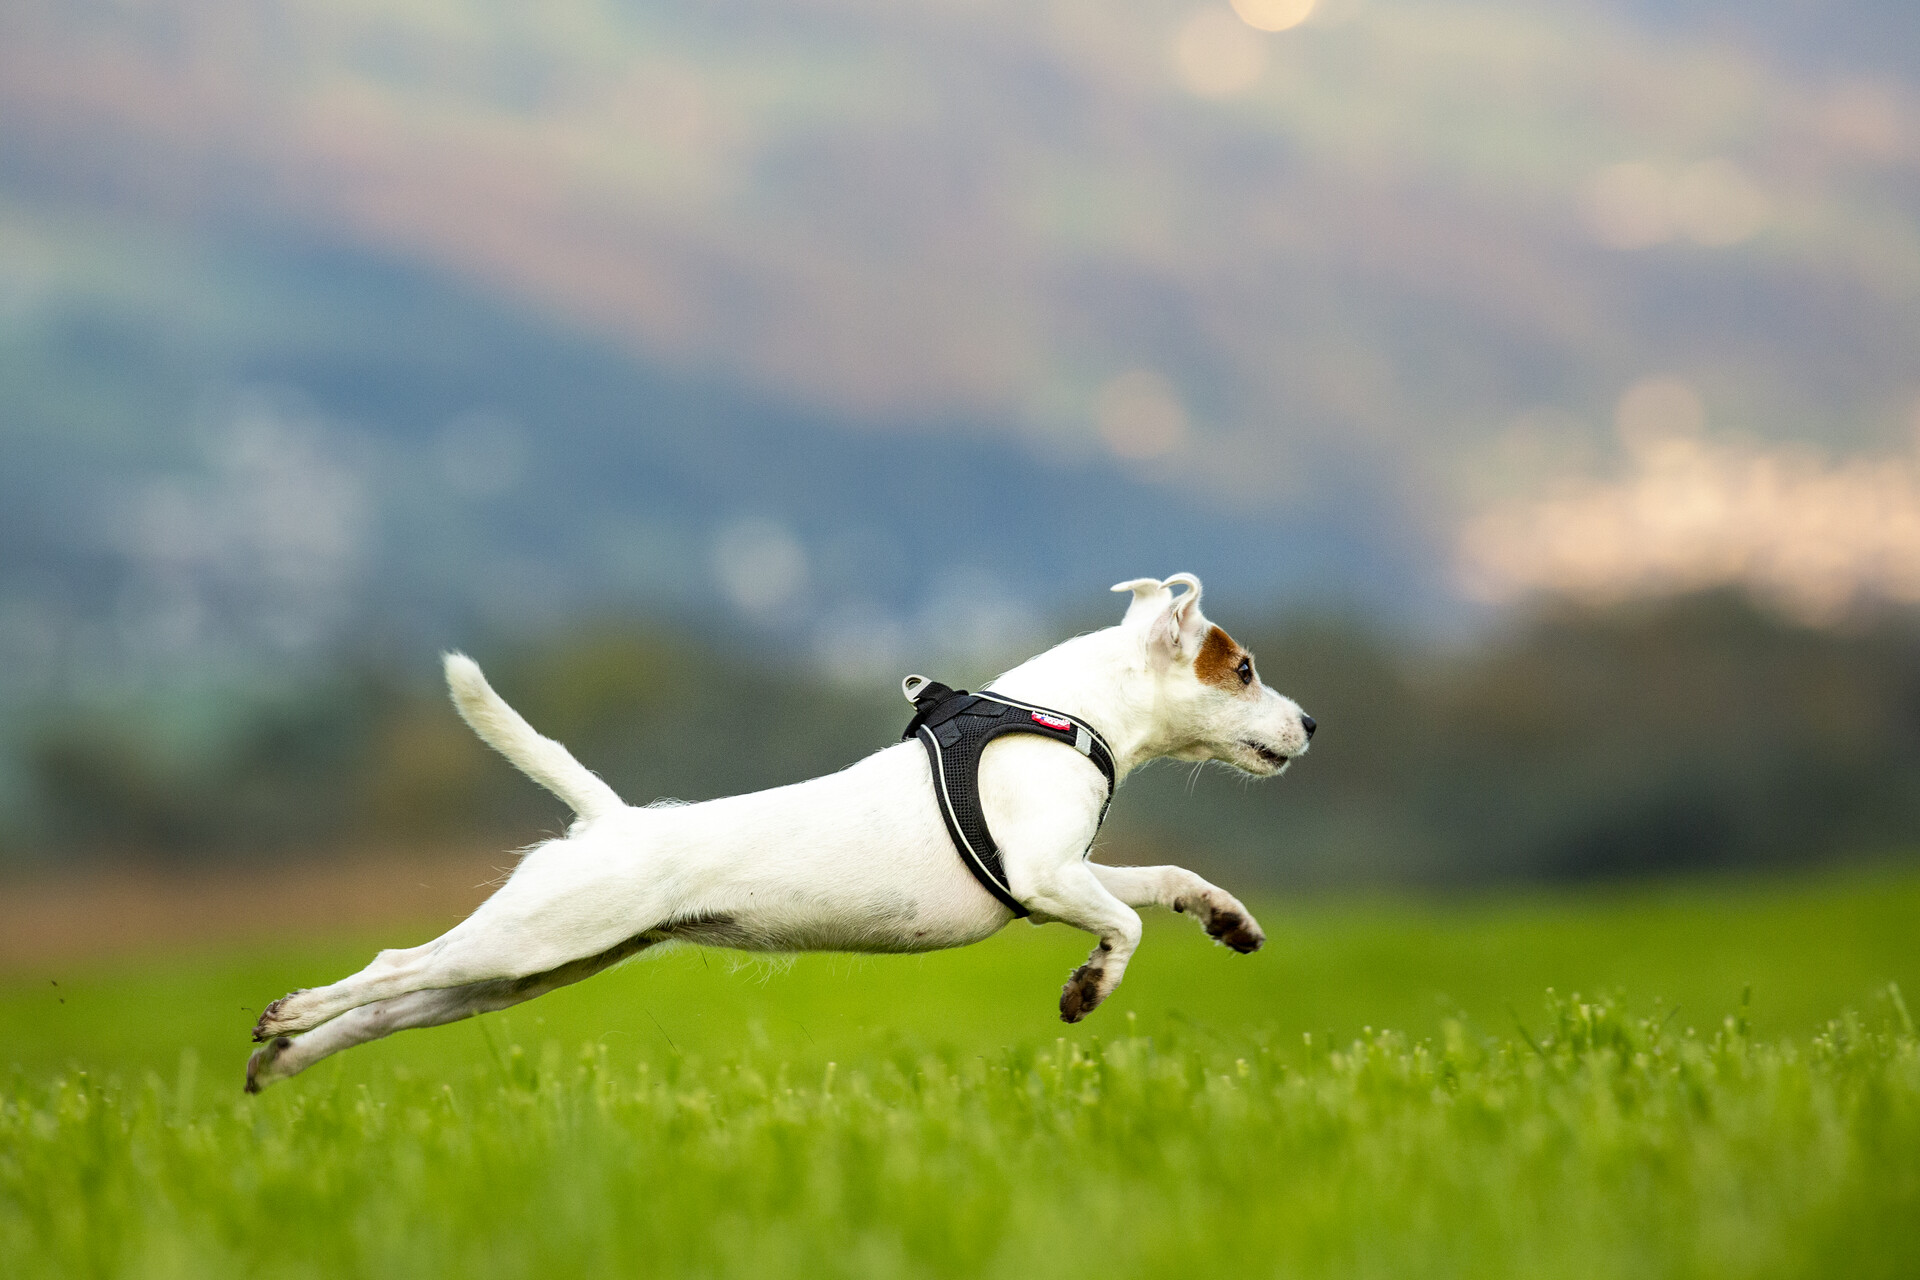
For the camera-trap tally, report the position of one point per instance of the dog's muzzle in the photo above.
(1267, 754)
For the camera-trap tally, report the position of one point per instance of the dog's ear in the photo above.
(1186, 626)
(1172, 623)
(1150, 597)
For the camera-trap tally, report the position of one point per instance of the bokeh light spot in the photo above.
(1626, 207)
(760, 565)
(1867, 120)
(1637, 206)
(1715, 203)
(1273, 15)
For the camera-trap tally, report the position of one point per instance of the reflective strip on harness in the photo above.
(956, 727)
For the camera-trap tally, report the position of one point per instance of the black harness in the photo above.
(956, 727)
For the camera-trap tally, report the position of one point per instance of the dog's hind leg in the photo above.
(284, 1056)
(562, 905)
(1178, 889)
(464, 957)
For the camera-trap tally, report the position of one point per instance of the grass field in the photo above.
(928, 1116)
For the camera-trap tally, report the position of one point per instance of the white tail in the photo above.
(506, 731)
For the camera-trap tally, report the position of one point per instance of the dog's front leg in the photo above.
(1221, 914)
(1073, 895)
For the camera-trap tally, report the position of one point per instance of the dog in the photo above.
(859, 860)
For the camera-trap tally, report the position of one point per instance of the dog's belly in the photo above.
(898, 925)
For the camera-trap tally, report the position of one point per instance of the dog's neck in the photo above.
(1102, 678)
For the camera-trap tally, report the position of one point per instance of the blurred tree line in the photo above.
(1687, 734)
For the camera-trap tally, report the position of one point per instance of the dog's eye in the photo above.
(1246, 671)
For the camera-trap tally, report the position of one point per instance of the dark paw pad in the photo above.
(1236, 931)
(1081, 994)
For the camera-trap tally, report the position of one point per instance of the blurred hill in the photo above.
(1704, 733)
(233, 455)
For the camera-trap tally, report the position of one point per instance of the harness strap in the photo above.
(956, 727)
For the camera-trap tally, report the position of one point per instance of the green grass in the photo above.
(927, 1116)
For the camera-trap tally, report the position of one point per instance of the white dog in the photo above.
(859, 860)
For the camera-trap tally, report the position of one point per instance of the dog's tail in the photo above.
(506, 731)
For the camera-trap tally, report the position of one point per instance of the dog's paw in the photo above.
(260, 1066)
(1236, 929)
(1224, 919)
(1082, 994)
(274, 1019)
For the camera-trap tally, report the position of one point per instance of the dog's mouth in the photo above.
(1266, 755)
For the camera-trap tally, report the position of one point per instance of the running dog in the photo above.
(860, 860)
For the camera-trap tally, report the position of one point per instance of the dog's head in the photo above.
(1210, 703)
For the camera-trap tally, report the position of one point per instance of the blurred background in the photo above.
(1535, 385)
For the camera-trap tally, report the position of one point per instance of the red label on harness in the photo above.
(1052, 722)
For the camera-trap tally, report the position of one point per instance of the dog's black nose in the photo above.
(1307, 723)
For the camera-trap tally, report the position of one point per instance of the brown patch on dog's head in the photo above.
(1219, 661)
